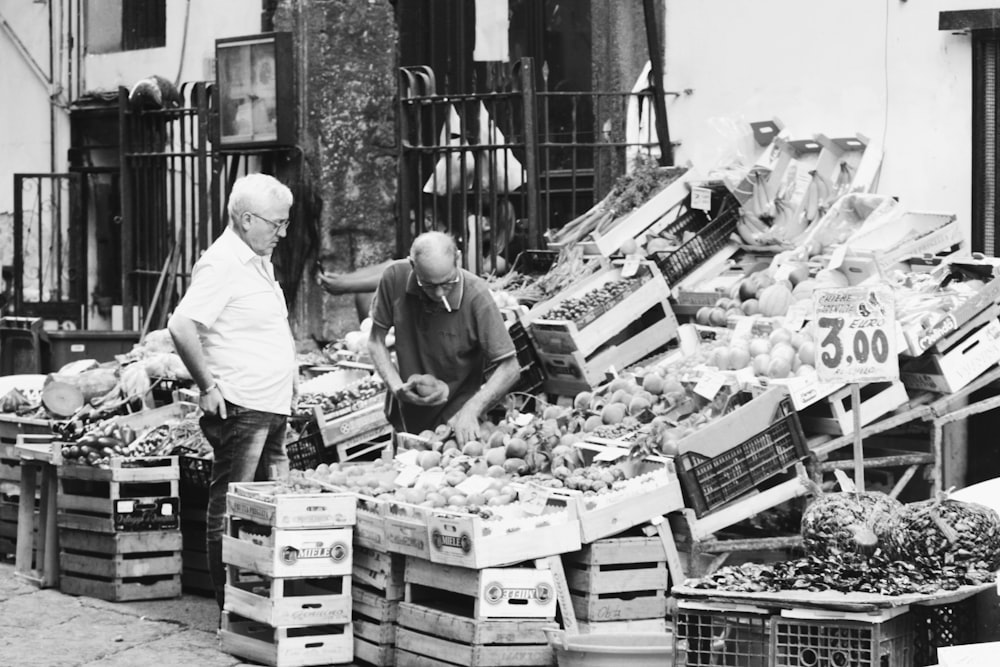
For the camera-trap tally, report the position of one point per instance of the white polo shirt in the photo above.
(243, 323)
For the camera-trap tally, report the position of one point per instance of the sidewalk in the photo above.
(46, 628)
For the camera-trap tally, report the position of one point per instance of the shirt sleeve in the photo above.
(381, 310)
(493, 335)
(207, 296)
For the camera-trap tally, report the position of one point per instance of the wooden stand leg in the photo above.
(37, 560)
(23, 563)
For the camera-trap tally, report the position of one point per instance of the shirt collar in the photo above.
(454, 296)
(244, 253)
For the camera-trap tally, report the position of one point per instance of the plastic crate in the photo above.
(942, 625)
(196, 478)
(841, 642)
(24, 346)
(707, 638)
(308, 451)
(754, 442)
(709, 239)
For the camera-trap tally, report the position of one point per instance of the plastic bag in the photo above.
(454, 169)
(499, 168)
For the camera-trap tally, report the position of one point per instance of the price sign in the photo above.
(701, 198)
(855, 334)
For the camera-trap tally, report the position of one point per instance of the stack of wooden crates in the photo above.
(289, 563)
(119, 529)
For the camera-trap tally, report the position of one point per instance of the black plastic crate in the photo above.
(705, 638)
(309, 450)
(942, 625)
(841, 642)
(708, 239)
(196, 478)
(710, 482)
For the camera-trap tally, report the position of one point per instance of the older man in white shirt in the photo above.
(231, 330)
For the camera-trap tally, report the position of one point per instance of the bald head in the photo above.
(434, 247)
(434, 257)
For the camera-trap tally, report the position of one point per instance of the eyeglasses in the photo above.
(445, 285)
(276, 225)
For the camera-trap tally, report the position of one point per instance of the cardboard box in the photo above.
(835, 414)
(948, 370)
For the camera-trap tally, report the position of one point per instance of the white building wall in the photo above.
(875, 67)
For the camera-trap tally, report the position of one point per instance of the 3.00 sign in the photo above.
(853, 329)
(865, 343)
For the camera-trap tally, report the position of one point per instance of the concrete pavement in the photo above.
(46, 628)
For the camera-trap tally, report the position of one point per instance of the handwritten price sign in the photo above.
(855, 334)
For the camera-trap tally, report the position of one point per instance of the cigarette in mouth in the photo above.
(447, 306)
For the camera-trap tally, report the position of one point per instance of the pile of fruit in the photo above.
(342, 400)
(586, 307)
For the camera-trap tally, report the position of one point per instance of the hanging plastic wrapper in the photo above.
(455, 168)
(500, 171)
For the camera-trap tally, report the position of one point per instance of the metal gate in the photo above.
(50, 270)
(168, 208)
(499, 169)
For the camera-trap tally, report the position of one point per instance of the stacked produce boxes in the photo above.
(288, 558)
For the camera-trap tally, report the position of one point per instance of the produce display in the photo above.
(340, 400)
(629, 192)
(523, 288)
(105, 440)
(587, 307)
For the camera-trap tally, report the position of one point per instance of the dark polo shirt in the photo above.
(454, 347)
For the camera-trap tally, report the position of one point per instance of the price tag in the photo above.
(855, 334)
(431, 479)
(631, 266)
(745, 376)
(531, 502)
(710, 384)
(408, 457)
(797, 313)
(701, 198)
(743, 329)
(524, 419)
(611, 454)
(474, 484)
(837, 257)
(408, 475)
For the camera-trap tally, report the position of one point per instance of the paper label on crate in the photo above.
(631, 266)
(710, 384)
(701, 198)
(125, 506)
(837, 256)
(408, 475)
(431, 479)
(611, 454)
(534, 505)
(474, 484)
(408, 457)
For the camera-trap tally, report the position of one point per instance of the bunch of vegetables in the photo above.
(629, 192)
(577, 308)
(847, 523)
(341, 399)
(942, 532)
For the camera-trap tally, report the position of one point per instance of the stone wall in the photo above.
(346, 87)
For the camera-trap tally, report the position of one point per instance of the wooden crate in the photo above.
(512, 535)
(618, 579)
(132, 495)
(263, 503)
(435, 638)
(286, 647)
(657, 625)
(374, 621)
(834, 414)
(280, 552)
(287, 601)
(120, 566)
(576, 355)
(505, 592)
(379, 570)
(406, 529)
(369, 531)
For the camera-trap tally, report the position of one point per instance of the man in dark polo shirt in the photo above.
(446, 325)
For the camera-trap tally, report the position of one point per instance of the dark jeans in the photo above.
(246, 444)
